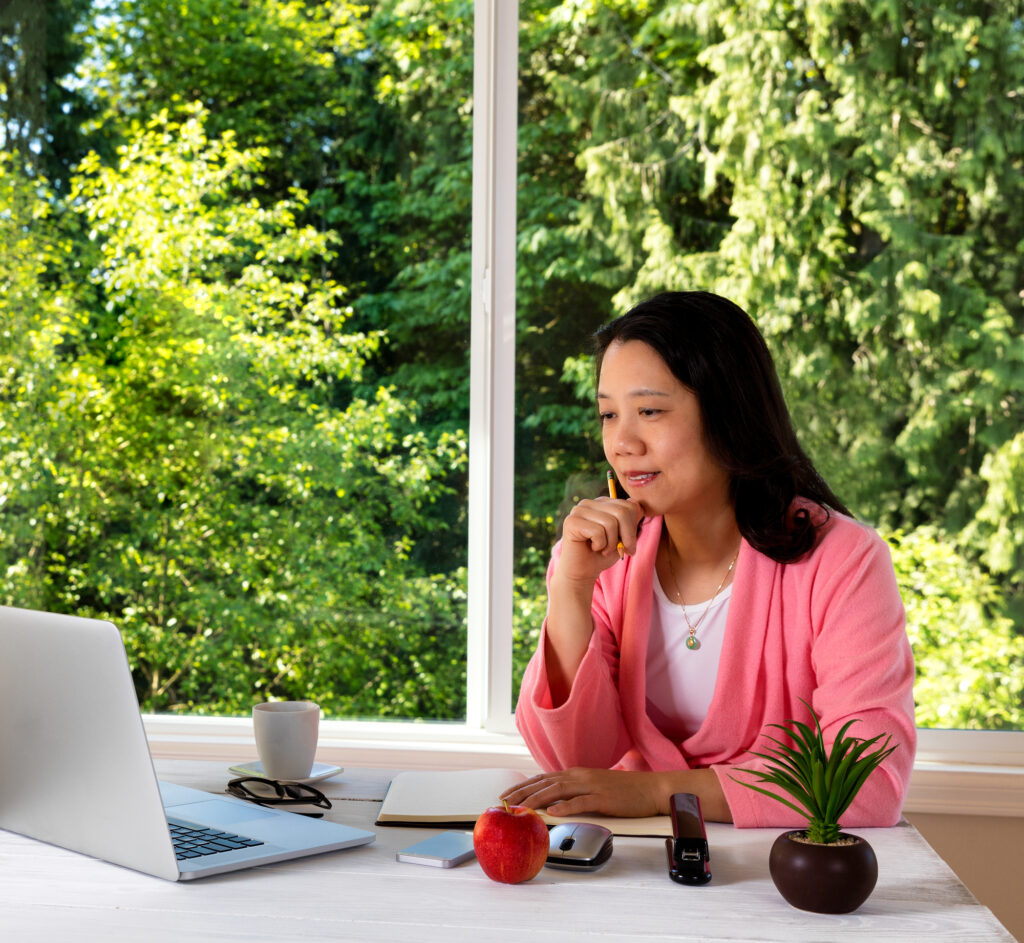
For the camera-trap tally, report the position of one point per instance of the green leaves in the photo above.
(188, 458)
(968, 656)
(821, 782)
(254, 296)
(845, 172)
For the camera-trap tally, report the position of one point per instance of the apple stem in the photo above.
(505, 801)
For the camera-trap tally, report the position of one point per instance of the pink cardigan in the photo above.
(829, 629)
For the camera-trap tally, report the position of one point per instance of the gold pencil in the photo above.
(612, 493)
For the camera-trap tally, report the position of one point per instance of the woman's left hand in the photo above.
(576, 791)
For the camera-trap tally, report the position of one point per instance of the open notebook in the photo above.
(75, 768)
(455, 799)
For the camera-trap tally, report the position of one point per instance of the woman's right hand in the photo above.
(591, 535)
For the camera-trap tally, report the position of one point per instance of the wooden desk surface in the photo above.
(364, 894)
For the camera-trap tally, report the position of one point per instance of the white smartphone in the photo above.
(440, 851)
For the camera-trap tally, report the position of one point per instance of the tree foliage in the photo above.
(850, 174)
(235, 311)
(204, 474)
(967, 653)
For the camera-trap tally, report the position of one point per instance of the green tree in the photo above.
(236, 352)
(42, 114)
(212, 483)
(35, 324)
(967, 654)
(848, 173)
(368, 111)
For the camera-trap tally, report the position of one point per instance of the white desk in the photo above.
(48, 894)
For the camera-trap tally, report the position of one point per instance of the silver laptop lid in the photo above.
(75, 768)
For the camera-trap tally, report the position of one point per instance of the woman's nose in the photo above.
(626, 441)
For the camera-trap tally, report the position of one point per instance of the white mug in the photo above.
(286, 737)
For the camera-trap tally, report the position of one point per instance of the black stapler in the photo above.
(688, 853)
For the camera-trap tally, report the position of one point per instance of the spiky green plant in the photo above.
(823, 784)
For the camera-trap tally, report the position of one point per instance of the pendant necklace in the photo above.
(692, 642)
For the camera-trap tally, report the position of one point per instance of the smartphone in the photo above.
(440, 851)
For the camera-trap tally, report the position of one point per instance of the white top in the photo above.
(681, 681)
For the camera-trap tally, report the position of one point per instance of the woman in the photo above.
(728, 586)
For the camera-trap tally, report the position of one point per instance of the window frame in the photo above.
(492, 367)
(963, 771)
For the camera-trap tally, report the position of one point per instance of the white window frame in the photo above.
(961, 771)
(492, 367)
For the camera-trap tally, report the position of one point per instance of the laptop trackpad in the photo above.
(220, 812)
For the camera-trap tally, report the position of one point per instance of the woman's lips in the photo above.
(640, 479)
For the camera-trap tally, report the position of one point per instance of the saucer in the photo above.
(319, 771)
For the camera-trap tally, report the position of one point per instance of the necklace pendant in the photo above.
(692, 643)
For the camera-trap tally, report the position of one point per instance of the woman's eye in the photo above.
(650, 412)
(604, 417)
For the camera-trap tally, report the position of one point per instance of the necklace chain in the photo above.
(692, 642)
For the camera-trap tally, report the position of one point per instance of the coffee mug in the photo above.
(286, 737)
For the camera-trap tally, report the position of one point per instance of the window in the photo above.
(643, 120)
(235, 345)
(604, 204)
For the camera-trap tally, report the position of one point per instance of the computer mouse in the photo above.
(579, 846)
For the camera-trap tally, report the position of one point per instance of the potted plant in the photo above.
(820, 868)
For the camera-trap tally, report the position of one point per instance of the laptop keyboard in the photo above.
(190, 842)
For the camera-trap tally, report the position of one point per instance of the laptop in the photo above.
(75, 767)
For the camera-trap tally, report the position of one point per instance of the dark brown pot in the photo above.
(825, 879)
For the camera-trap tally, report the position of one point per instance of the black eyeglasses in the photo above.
(271, 792)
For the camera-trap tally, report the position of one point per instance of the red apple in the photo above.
(511, 843)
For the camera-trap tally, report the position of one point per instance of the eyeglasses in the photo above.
(270, 792)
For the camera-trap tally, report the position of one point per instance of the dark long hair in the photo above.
(713, 347)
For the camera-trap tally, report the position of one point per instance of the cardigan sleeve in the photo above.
(588, 728)
(862, 669)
